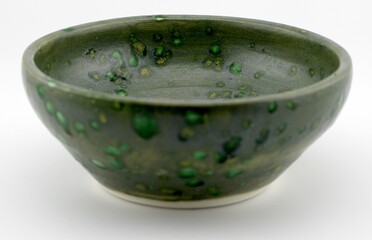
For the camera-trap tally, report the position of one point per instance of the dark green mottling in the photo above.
(262, 138)
(193, 118)
(200, 155)
(194, 183)
(181, 110)
(145, 125)
(235, 68)
(116, 163)
(187, 172)
(41, 90)
(234, 172)
(291, 105)
(232, 144)
(49, 107)
(215, 49)
(271, 107)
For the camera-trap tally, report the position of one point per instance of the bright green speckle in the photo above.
(252, 45)
(133, 60)
(177, 42)
(49, 107)
(159, 51)
(98, 164)
(162, 55)
(122, 92)
(194, 183)
(214, 191)
(116, 163)
(145, 125)
(234, 172)
(79, 127)
(235, 68)
(94, 125)
(271, 107)
(177, 38)
(232, 144)
(61, 120)
(112, 151)
(159, 18)
(40, 90)
(193, 118)
(215, 49)
(111, 76)
(200, 155)
(291, 105)
(52, 84)
(187, 172)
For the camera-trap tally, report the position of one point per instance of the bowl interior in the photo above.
(184, 59)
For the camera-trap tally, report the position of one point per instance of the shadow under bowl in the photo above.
(186, 111)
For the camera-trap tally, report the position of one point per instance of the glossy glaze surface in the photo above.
(186, 107)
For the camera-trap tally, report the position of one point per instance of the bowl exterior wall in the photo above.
(184, 153)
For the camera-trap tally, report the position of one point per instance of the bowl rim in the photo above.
(343, 71)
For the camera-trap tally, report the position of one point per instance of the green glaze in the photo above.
(186, 107)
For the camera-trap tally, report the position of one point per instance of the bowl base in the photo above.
(196, 204)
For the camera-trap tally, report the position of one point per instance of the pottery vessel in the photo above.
(186, 111)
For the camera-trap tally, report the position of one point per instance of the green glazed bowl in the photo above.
(186, 111)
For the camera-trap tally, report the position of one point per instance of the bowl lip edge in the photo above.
(343, 71)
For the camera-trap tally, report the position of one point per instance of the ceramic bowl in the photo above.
(186, 111)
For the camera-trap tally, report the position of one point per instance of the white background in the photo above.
(45, 194)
